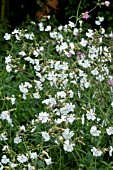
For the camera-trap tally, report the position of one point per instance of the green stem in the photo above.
(78, 12)
(93, 9)
(60, 159)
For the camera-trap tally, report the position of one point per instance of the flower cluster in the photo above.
(58, 98)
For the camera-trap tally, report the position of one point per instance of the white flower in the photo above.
(43, 117)
(71, 93)
(17, 139)
(51, 102)
(59, 66)
(30, 167)
(3, 136)
(38, 85)
(22, 158)
(33, 155)
(59, 38)
(101, 19)
(13, 165)
(48, 28)
(102, 31)
(36, 95)
(33, 129)
(109, 131)
(16, 31)
(23, 88)
(41, 27)
(84, 64)
(41, 48)
(5, 116)
(71, 44)
(8, 68)
(83, 119)
(48, 17)
(100, 77)
(5, 148)
(63, 46)
(97, 22)
(100, 39)
(94, 131)
(96, 152)
(48, 161)
(60, 27)
(71, 24)
(4, 159)
(91, 114)
(45, 153)
(112, 104)
(65, 28)
(46, 136)
(7, 36)
(75, 31)
(53, 34)
(13, 100)
(8, 59)
(37, 67)
(89, 33)
(69, 107)
(67, 134)
(68, 146)
(22, 53)
(36, 53)
(22, 128)
(29, 36)
(95, 72)
(83, 42)
(27, 84)
(110, 150)
(30, 60)
(63, 119)
(17, 37)
(61, 94)
(80, 22)
(87, 84)
(71, 118)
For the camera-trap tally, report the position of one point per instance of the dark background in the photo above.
(16, 11)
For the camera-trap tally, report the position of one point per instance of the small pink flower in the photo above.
(110, 82)
(80, 54)
(69, 54)
(107, 3)
(86, 15)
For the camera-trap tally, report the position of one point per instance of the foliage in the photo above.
(57, 98)
(3, 28)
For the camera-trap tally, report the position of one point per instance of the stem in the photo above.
(93, 9)
(60, 159)
(95, 164)
(78, 12)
